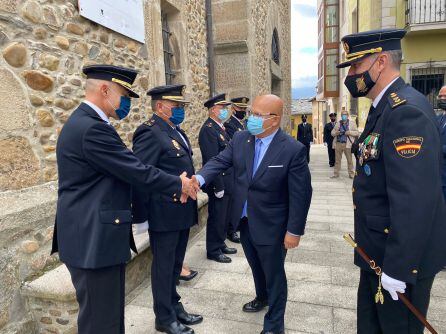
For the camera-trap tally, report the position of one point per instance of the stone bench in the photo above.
(51, 298)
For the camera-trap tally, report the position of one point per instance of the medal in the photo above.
(367, 170)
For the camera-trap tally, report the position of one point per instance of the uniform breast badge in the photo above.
(175, 144)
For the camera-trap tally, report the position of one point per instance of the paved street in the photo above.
(322, 280)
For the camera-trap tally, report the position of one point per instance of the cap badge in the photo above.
(346, 47)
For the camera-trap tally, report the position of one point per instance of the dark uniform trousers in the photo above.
(268, 269)
(166, 268)
(217, 224)
(97, 291)
(392, 317)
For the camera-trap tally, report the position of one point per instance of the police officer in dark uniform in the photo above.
(233, 125)
(236, 122)
(162, 143)
(212, 140)
(399, 210)
(93, 231)
(328, 139)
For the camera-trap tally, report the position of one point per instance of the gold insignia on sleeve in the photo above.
(209, 125)
(175, 143)
(408, 147)
(150, 122)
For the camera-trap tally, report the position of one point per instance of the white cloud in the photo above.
(303, 42)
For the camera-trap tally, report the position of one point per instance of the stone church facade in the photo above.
(212, 46)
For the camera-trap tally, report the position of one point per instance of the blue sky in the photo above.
(303, 47)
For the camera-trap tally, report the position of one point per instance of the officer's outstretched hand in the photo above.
(393, 286)
(195, 183)
(291, 241)
(188, 189)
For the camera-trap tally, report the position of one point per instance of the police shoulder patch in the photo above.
(408, 147)
(396, 100)
(150, 122)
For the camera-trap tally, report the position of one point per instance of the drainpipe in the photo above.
(210, 41)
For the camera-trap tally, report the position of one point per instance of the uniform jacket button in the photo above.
(386, 231)
(414, 271)
(175, 200)
(117, 221)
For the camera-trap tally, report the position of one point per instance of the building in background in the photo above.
(236, 46)
(424, 56)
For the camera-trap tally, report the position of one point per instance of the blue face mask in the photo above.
(255, 125)
(124, 107)
(223, 115)
(344, 117)
(177, 115)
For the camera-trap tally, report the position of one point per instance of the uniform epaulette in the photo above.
(209, 125)
(395, 100)
(150, 122)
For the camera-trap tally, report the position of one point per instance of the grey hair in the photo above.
(93, 84)
(396, 58)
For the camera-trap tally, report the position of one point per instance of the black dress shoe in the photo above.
(234, 237)
(222, 258)
(271, 332)
(255, 306)
(189, 277)
(174, 328)
(228, 250)
(187, 318)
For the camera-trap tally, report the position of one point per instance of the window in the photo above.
(331, 22)
(275, 47)
(167, 50)
(428, 81)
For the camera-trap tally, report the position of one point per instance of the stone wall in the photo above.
(243, 33)
(44, 46)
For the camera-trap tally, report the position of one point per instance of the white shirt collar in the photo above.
(380, 95)
(98, 110)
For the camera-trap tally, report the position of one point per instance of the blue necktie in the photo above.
(258, 149)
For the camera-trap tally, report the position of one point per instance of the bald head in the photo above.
(270, 108)
(269, 103)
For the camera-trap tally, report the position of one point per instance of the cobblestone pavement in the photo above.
(322, 279)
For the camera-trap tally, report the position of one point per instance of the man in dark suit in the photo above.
(305, 134)
(93, 231)
(161, 142)
(271, 198)
(328, 139)
(399, 207)
(234, 124)
(442, 124)
(212, 140)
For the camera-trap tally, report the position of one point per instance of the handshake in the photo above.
(190, 187)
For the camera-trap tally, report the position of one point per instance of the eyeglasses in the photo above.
(252, 112)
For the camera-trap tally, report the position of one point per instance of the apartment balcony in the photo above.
(425, 15)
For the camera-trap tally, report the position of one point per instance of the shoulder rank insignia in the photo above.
(150, 122)
(175, 143)
(396, 100)
(408, 147)
(222, 137)
(209, 125)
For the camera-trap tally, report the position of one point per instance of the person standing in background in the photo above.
(328, 139)
(442, 124)
(305, 135)
(345, 132)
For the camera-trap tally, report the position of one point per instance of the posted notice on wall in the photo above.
(123, 16)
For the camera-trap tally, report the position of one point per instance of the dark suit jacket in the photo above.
(156, 143)
(305, 133)
(212, 140)
(399, 208)
(443, 141)
(233, 125)
(278, 196)
(328, 138)
(96, 172)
